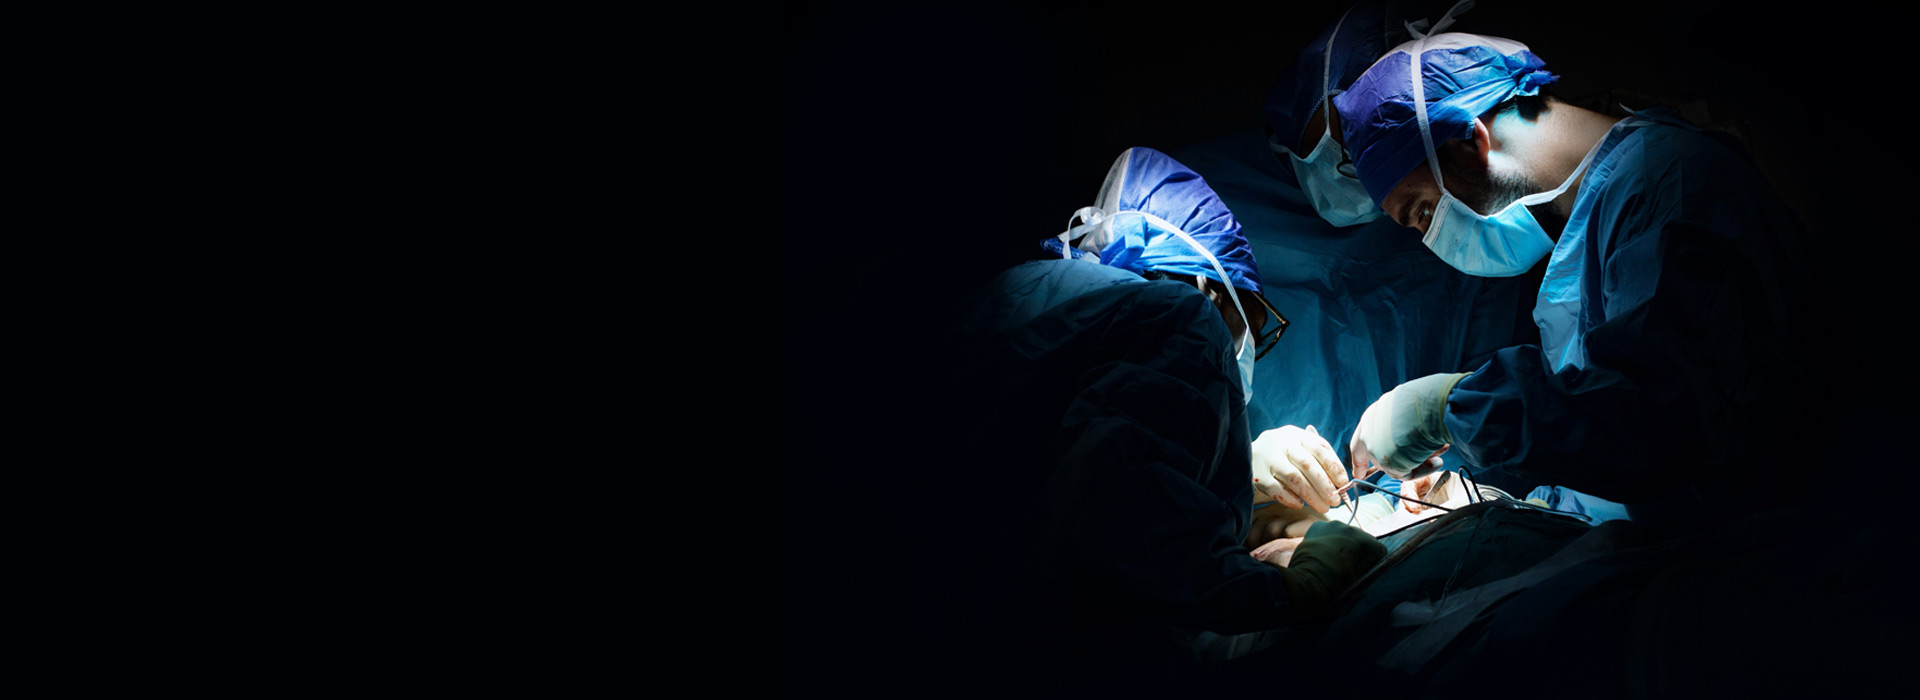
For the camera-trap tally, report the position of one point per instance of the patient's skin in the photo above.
(1278, 552)
(1422, 488)
(1277, 529)
(1279, 520)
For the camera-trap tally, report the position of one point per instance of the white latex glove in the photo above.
(1404, 432)
(1298, 468)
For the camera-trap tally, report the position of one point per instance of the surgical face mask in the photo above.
(1502, 244)
(1246, 358)
(1337, 197)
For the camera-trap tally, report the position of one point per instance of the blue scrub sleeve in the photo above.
(1681, 375)
(1150, 504)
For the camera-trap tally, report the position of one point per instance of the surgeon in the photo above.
(1095, 487)
(1672, 313)
(1302, 125)
(1299, 464)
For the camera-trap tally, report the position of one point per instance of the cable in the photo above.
(1404, 528)
(1354, 507)
(1582, 516)
(1482, 491)
(1404, 498)
(1486, 492)
(1413, 543)
(1442, 603)
(1500, 499)
(1508, 498)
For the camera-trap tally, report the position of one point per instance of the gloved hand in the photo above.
(1404, 432)
(1298, 468)
(1332, 557)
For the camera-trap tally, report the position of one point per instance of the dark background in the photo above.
(925, 150)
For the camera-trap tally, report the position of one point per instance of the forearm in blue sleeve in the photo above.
(1673, 385)
(1514, 414)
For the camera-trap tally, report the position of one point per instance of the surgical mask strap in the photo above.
(1326, 92)
(1326, 74)
(1420, 86)
(1420, 111)
(1232, 293)
(1547, 196)
(1419, 29)
(1093, 216)
(1097, 216)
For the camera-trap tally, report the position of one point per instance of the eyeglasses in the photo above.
(1270, 332)
(1346, 167)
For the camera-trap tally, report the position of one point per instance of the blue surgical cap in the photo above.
(1150, 182)
(1464, 76)
(1364, 32)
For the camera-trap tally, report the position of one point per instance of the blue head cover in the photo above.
(1147, 181)
(1464, 76)
(1353, 41)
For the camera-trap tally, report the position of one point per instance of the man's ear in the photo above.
(1471, 150)
(1481, 142)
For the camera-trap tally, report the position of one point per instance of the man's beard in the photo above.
(1487, 191)
(1505, 188)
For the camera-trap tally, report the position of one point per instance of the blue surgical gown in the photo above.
(1100, 494)
(1668, 346)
